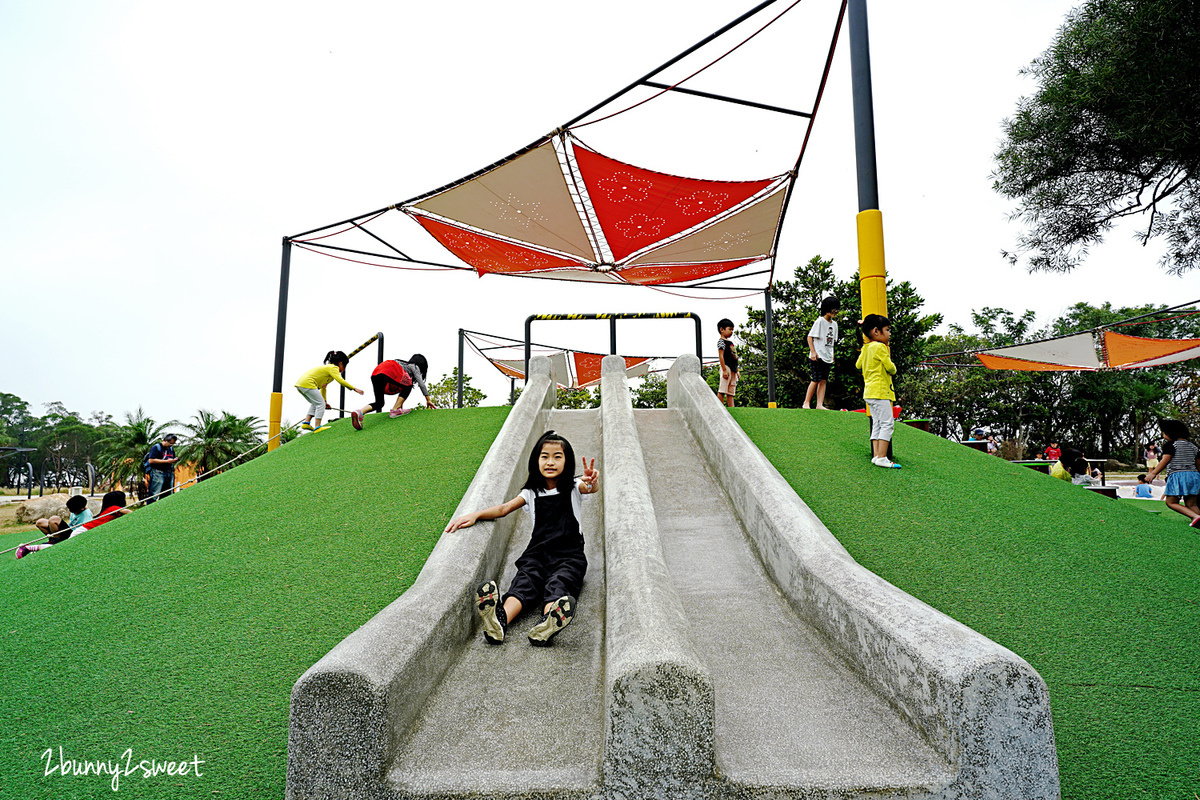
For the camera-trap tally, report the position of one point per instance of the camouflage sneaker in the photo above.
(559, 616)
(491, 611)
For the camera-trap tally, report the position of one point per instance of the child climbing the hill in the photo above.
(56, 530)
(1181, 460)
(821, 339)
(312, 386)
(875, 361)
(727, 357)
(550, 571)
(395, 377)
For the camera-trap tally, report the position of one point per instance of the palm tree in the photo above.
(212, 440)
(122, 451)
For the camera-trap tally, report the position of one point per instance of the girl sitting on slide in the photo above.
(550, 571)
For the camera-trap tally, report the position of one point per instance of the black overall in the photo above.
(553, 563)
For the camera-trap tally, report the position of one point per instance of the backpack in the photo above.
(146, 463)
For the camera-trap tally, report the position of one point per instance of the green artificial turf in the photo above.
(179, 630)
(1102, 598)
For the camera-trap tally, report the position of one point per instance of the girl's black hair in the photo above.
(420, 363)
(830, 303)
(1073, 462)
(336, 357)
(113, 499)
(76, 504)
(1174, 429)
(536, 480)
(872, 321)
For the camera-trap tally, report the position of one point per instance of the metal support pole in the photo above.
(28, 482)
(699, 344)
(769, 326)
(342, 397)
(380, 353)
(460, 367)
(612, 335)
(872, 274)
(91, 479)
(512, 391)
(276, 415)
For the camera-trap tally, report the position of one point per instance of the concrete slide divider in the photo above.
(349, 711)
(979, 704)
(659, 695)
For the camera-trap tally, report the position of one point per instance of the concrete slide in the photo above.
(725, 646)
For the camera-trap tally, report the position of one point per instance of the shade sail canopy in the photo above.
(1069, 353)
(587, 368)
(563, 210)
(1078, 353)
(1133, 351)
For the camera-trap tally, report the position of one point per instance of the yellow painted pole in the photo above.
(872, 274)
(275, 420)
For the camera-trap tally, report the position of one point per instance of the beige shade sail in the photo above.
(525, 199)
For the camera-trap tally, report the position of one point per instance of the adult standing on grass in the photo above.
(821, 339)
(312, 386)
(397, 377)
(875, 361)
(161, 459)
(1181, 460)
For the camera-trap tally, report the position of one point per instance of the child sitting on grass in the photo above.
(1180, 459)
(111, 507)
(1143, 488)
(56, 530)
(875, 361)
(551, 569)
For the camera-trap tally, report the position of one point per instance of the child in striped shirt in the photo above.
(1180, 459)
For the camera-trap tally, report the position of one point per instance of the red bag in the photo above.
(396, 374)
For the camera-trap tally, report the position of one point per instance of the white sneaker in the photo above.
(883, 461)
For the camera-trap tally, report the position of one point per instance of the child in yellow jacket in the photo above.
(875, 361)
(312, 386)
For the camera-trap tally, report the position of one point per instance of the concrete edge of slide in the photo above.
(350, 709)
(979, 704)
(659, 702)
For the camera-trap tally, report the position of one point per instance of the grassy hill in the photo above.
(1102, 598)
(178, 631)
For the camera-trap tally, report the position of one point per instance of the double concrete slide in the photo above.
(725, 646)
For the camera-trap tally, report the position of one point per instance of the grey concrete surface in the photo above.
(659, 694)
(771, 670)
(351, 710)
(979, 705)
(511, 719)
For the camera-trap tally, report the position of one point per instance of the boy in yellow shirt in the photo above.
(875, 361)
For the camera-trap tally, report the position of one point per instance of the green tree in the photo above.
(126, 445)
(444, 393)
(795, 305)
(578, 398)
(652, 392)
(211, 440)
(1113, 131)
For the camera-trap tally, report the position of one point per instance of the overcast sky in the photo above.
(156, 154)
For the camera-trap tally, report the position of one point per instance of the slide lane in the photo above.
(512, 718)
(789, 712)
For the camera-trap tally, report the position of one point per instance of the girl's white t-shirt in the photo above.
(824, 333)
(576, 501)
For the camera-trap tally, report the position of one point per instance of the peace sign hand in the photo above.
(590, 476)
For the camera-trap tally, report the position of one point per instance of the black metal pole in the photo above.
(699, 344)
(612, 335)
(864, 114)
(380, 353)
(512, 391)
(528, 348)
(460, 367)
(769, 327)
(285, 269)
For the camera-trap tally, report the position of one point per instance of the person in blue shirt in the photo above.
(161, 461)
(1143, 488)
